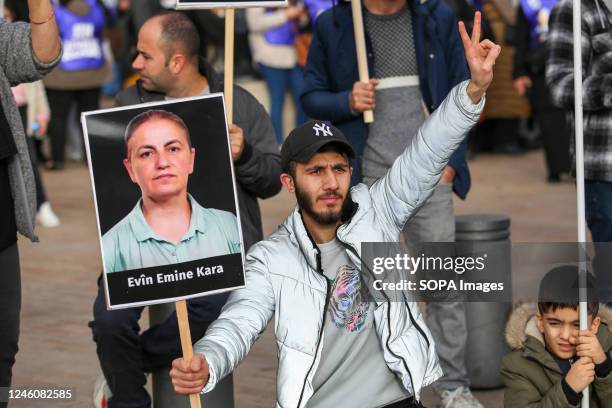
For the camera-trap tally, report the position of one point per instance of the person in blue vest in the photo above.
(82, 71)
(272, 34)
(528, 71)
(415, 54)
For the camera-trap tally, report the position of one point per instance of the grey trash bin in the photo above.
(163, 392)
(486, 321)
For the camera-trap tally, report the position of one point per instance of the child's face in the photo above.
(561, 329)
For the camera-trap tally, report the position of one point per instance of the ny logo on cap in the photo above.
(323, 128)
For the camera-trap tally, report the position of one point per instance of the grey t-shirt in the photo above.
(352, 371)
(399, 107)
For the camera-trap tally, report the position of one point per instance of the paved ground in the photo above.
(59, 274)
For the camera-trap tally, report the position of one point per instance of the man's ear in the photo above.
(288, 182)
(128, 166)
(540, 322)
(177, 63)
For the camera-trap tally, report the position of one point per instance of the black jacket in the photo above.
(531, 62)
(258, 170)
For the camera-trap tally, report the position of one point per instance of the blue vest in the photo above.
(281, 35)
(81, 37)
(537, 13)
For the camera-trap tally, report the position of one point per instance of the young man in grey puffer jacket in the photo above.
(334, 347)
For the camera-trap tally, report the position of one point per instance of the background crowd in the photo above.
(272, 44)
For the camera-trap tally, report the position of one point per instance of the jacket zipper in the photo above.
(319, 270)
(363, 264)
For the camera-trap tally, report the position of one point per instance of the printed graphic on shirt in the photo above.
(348, 307)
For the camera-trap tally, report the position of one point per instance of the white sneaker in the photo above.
(46, 217)
(101, 393)
(460, 397)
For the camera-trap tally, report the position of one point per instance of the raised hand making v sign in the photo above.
(480, 56)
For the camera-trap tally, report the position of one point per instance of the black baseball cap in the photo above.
(308, 138)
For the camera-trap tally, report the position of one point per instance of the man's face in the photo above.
(160, 159)
(561, 328)
(322, 186)
(151, 63)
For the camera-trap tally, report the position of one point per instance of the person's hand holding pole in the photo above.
(581, 374)
(191, 378)
(589, 346)
(45, 36)
(481, 56)
(236, 136)
(363, 96)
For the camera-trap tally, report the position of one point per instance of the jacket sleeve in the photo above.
(259, 168)
(258, 20)
(319, 100)
(603, 389)
(415, 173)
(596, 87)
(243, 318)
(17, 59)
(520, 392)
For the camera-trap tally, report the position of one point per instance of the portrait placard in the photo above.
(165, 200)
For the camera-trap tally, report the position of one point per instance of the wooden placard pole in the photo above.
(185, 333)
(228, 76)
(360, 45)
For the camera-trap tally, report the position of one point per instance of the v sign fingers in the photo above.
(480, 56)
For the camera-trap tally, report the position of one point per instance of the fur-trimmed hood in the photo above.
(522, 323)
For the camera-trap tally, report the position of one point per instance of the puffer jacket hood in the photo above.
(284, 279)
(522, 323)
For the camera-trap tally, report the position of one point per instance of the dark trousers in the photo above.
(60, 103)
(598, 200)
(126, 355)
(555, 138)
(10, 307)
